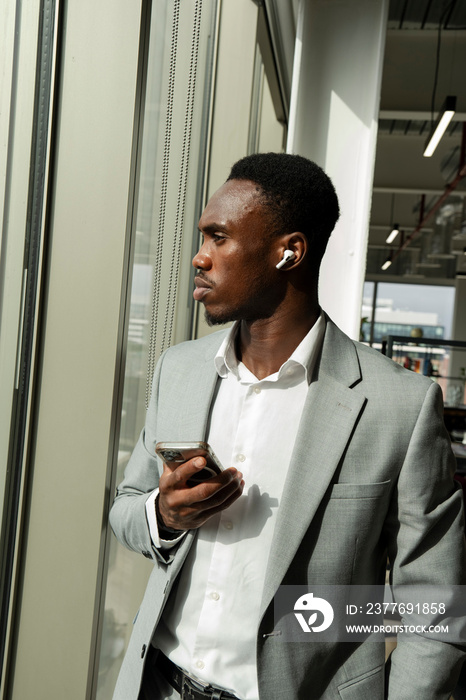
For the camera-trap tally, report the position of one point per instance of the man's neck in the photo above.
(264, 345)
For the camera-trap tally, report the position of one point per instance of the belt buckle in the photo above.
(190, 686)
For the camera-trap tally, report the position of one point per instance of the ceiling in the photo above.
(426, 14)
(424, 37)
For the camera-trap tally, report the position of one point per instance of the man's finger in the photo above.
(215, 490)
(177, 473)
(208, 492)
(209, 512)
(185, 516)
(214, 487)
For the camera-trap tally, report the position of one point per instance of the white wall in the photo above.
(333, 121)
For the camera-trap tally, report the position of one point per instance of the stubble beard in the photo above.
(249, 312)
(231, 316)
(218, 320)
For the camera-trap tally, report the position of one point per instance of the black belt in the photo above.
(187, 687)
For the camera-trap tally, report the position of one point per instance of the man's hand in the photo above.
(185, 508)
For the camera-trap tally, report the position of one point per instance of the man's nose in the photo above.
(202, 261)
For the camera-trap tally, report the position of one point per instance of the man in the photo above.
(334, 457)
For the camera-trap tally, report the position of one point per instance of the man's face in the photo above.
(236, 277)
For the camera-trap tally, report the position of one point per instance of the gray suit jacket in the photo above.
(371, 474)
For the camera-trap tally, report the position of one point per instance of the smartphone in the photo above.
(176, 453)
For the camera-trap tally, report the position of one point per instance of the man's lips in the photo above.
(202, 288)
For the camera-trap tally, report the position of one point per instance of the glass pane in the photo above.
(18, 72)
(444, 363)
(27, 60)
(165, 210)
(272, 133)
(406, 309)
(367, 311)
(266, 133)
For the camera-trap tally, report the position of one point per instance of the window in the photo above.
(403, 309)
(173, 119)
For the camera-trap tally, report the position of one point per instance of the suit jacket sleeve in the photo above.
(128, 514)
(425, 533)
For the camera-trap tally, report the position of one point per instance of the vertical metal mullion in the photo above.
(38, 192)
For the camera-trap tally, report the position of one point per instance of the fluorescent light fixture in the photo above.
(395, 231)
(387, 263)
(443, 120)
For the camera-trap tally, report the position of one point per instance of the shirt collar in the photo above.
(305, 354)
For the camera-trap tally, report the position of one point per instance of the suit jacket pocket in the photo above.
(368, 686)
(343, 543)
(375, 490)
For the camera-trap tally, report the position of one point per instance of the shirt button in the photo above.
(241, 458)
(200, 664)
(214, 595)
(290, 370)
(257, 390)
(228, 525)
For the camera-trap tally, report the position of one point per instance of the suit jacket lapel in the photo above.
(330, 413)
(187, 418)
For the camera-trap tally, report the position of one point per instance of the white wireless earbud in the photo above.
(287, 256)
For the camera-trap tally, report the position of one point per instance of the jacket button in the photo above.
(143, 651)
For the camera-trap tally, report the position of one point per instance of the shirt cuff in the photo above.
(151, 516)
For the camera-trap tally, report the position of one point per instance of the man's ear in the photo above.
(296, 243)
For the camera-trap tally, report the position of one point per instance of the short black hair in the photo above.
(298, 193)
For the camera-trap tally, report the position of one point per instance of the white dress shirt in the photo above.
(209, 625)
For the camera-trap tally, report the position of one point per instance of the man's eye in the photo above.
(216, 238)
